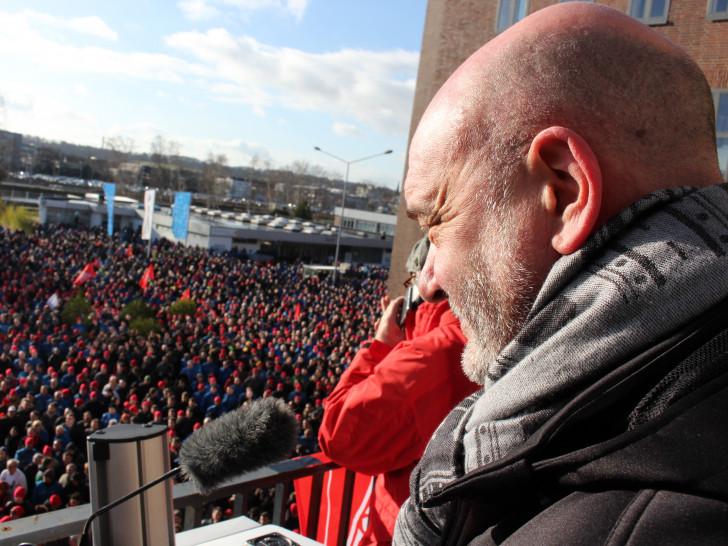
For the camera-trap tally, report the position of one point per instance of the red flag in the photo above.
(129, 252)
(297, 314)
(186, 295)
(148, 276)
(87, 273)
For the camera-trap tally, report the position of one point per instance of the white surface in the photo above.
(236, 532)
(225, 528)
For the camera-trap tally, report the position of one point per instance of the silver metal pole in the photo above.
(341, 222)
(343, 199)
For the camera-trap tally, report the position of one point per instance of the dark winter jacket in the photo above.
(641, 457)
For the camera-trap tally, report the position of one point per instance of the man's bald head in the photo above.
(540, 137)
(640, 102)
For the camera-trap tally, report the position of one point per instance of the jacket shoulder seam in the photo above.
(630, 516)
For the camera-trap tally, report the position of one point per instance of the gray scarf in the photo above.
(647, 272)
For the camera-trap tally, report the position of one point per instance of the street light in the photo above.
(343, 198)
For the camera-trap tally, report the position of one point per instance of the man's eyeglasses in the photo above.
(412, 280)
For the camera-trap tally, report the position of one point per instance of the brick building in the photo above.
(454, 29)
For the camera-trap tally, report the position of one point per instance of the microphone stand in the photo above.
(84, 534)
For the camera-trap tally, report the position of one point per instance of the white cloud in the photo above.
(196, 10)
(242, 94)
(57, 27)
(346, 129)
(21, 36)
(18, 100)
(365, 85)
(93, 26)
(297, 7)
(30, 106)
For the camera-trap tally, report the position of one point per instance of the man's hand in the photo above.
(388, 330)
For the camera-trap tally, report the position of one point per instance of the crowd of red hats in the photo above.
(260, 329)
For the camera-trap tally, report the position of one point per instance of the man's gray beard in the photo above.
(492, 315)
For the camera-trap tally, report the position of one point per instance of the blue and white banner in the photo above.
(149, 196)
(109, 193)
(181, 214)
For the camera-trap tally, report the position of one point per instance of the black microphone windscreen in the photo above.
(248, 438)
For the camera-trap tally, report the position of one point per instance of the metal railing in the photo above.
(70, 521)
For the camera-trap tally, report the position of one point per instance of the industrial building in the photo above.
(281, 238)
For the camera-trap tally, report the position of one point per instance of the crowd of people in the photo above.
(259, 330)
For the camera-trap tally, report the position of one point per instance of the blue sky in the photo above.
(268, 79)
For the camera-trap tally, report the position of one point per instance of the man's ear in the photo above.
(570, 182)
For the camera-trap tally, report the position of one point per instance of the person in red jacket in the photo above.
(392, 397)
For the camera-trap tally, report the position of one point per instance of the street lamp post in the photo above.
(343, 198)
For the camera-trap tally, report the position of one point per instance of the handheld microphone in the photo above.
(242, 440)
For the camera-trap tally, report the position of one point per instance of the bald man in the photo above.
(568, 175)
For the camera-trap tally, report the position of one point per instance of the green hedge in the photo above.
(138, 309)
(75, 308)
(143, 317)
(145, 325)
(183, 307)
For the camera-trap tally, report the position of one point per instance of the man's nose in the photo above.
(428, 285)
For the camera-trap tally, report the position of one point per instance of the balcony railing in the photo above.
(70, 521)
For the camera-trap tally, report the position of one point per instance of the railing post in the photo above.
(346, 507)
(280, 501)
(237, 504)
(189, 518)
(245, 506)
(314, 505)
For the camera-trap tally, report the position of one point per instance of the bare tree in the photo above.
(5, 143)
(254, 162)
(121, 149)
(176, 165)
(214, 172)
(301, 169)
(161, 173)
(268, 163)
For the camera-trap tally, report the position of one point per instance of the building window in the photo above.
(717, 9)
(510, 12)
(386, 229)
(650, 12)
(365, 225)
(721, 129)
